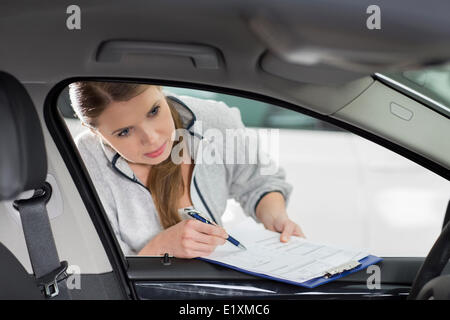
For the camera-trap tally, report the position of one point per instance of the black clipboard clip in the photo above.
(341, 268)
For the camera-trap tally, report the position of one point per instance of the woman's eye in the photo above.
(124, 132)
(154, 111)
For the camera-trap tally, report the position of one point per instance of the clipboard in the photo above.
(268, 258)
(337, 272)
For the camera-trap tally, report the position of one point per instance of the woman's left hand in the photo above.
(271, 211)
(286, 227)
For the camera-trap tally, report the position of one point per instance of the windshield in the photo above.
(431, 86)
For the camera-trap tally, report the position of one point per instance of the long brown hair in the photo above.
(165, 182)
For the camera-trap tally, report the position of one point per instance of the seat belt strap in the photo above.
(447, 215)
(48, 270)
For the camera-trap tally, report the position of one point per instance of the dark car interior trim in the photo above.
(200, 280)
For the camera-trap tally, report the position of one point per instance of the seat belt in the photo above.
(49, 272)
(446, 216)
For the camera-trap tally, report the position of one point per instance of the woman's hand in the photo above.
(187, 239)
(286, 227)
(271, 211)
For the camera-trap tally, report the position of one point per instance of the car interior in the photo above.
(52, 223)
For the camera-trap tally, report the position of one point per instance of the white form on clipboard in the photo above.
(298, 260)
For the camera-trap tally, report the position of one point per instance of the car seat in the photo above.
(23, 167)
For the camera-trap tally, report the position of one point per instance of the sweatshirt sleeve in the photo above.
(94, 162)
(250, 180)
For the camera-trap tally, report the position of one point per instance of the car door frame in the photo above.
(133, 273)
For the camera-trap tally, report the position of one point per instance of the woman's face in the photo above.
(139, 129)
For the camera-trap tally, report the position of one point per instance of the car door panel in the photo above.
(196, 279)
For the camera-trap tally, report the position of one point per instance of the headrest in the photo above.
(23, 160)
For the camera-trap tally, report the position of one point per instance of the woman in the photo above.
(129, 150)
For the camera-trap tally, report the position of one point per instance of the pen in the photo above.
(196, 215)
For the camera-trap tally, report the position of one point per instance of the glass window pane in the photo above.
(347, 191)
(430, 86)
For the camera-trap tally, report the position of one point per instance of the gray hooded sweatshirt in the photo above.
(128, 202)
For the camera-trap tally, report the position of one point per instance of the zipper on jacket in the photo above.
(195, 181)
(204, 202)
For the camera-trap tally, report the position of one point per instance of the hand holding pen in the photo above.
(197, 215)
(189, 238)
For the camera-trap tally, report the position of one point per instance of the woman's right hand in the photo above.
(187, 239)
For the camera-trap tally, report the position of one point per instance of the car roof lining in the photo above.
(249, 62)
(246, 62)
